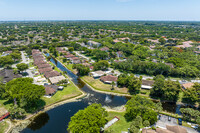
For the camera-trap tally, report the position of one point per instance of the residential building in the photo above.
(187, 85)
(7, 75)
(109, 79)
(93, 43)
(97, 74)
(147, 84)
(57, 79)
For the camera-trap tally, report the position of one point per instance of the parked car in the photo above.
(195, 126)
(169, 118)
(159, 116)
(179, 121)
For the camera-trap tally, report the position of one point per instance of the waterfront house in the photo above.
(109, 79)
(56, 79)
(147, 84)
(43, 70)
(97, 74)
(46, 65)
(51, 74)
(50, 90)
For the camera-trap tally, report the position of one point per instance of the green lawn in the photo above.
(3, 126)
(68, 92)
(31, 65)
(119, 126)
(4, 104)
(98, 85)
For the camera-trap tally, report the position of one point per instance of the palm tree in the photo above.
(113, 84)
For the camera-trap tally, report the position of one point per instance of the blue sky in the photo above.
(100, 10)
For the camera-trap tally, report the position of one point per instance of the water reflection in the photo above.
(39, 121)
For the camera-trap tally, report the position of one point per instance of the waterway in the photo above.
(56, 120)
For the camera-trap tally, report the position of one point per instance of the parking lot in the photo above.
(174, 122)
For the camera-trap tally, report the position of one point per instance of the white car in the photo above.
(195, 126)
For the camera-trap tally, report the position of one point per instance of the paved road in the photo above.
(26, 61)
(164, 121)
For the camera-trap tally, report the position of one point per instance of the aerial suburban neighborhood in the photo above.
(114, 66)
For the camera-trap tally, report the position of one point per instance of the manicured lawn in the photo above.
(68, 92)
(119, 126)
(97, 84)
(3, 126)
(145, 92)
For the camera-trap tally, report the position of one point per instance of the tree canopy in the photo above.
(89, 120)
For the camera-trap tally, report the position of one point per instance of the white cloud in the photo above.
(123, 0)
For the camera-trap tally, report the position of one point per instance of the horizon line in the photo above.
(99, 20)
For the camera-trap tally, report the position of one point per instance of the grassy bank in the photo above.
(119, 126)
(98, 85)
(3, 126)
(68, 92)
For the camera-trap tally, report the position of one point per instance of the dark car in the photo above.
(159, 116)
(179, 121)
(169, 118)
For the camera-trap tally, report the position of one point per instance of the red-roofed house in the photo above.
(109, 79)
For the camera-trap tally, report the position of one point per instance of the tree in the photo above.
(133, 128)
(158, 85)
(89, 120)
(192, 95)
(82, 70)
(198, 120)
(101, 65)
(141, 106)
(6, 60)
(71, 49)
(113, 84)
(23, 89)
(22, 66)
(146, 123)
(171, 90)
(16, 112)
(159, 107)
(162, 41)
(2, 89)
(64, 60)
(134, 84)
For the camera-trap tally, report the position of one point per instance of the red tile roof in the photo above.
(51, 74)
(48, 69)
(109, 78)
